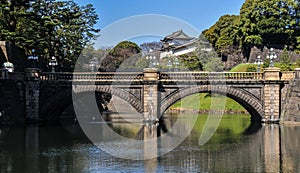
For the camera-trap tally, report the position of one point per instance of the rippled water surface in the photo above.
(236, 146)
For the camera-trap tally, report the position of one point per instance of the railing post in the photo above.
(271, 95)
(4, 73)
(32, 95)
(151, 95)
(297, 74)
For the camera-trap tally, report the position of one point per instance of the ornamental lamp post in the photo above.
(53, 63)
(155, 62)
(33, 58)
(93, 64)
(258, 62)
(272, 55)
(176, 64)
(169, 64)
(152, 59)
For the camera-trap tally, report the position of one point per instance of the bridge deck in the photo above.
(163, 76)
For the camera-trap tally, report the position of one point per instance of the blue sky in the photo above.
(197, 13)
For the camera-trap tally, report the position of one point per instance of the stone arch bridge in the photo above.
(152, 92)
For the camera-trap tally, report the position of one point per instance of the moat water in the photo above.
(236, 146)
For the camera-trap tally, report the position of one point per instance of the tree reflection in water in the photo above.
(253, 148)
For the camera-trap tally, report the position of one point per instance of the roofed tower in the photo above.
(175, 39)
(178, 35)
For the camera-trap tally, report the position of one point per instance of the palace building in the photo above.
(177, 43)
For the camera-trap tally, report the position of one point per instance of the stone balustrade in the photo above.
(210, 76)
(139, 76)
(164, 76)
(103, 76)
(287, 75)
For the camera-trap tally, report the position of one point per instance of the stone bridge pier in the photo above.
(272, 95)
(32, 95)
(151, 95)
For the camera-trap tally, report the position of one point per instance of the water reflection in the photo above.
(237, 146)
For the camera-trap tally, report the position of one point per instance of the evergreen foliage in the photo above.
(50, 28)
(260, 22)
(251, 68)
(123, 56)
(191, 62)
(285, 60)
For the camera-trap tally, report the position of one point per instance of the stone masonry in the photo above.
(292, 106)
(272, 95)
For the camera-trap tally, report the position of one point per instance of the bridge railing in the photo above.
(211, 75)
(4, 74)
(85, 76)
(56, 76)
(119, 76)
(165, 76)
(287, 75)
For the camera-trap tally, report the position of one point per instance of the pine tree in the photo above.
(51, 28)
(285, 61)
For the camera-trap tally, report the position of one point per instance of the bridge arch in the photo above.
(122, 94)
(249, 102)
(50, 109)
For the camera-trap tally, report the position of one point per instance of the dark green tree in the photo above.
(121, 53)
(268, 23)
(297, 63)
(224, 33)
(266, 63)
(191, 62)
(51, 28)
(285, 61)
(11, 14)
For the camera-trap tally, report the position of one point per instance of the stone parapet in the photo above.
(272, 73)
(287, 75)
(297, 73)
(32, 74)
(151, 74)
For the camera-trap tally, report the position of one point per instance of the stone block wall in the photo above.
(11, 101)
(272, 102)
(264, 51)
(292, 104)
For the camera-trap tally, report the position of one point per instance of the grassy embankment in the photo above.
(243, 67)
(203, 101)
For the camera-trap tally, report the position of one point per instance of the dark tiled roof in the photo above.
(178, 35)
